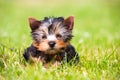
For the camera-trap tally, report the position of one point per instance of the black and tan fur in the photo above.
(51, 41)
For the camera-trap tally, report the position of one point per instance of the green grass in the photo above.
(96, 39)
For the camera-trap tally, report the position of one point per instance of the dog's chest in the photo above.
(46, 58)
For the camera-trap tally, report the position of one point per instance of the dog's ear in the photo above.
(34, 24)
(69, 22)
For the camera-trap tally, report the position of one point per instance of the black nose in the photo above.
(52, 44)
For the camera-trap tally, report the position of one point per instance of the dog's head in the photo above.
(51, 35)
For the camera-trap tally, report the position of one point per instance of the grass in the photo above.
(96, 39)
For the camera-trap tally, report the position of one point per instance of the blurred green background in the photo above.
(93, 18)
(96, 38)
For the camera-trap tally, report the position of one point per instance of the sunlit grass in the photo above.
(96, 39)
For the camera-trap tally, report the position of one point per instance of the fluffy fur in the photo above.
(51, 41)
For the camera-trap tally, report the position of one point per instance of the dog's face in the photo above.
(51, 35)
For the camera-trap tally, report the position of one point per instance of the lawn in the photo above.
(96, 39)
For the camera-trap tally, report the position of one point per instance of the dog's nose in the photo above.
(52, 44)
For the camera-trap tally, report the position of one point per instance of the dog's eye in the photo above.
(58, 36)
(44, 37)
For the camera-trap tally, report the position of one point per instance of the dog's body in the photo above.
(51, 41)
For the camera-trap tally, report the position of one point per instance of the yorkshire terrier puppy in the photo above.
(51, 41)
